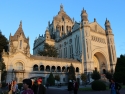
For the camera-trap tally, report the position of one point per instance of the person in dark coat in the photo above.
(76, 86)
(33, 86)
(70, 86)
(40, 88)
(114, 86)
(9, 85)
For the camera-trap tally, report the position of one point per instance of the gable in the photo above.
(96, 28)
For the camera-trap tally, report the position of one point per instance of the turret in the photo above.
(47, 34)
(111, 45)
(61, 8)
(108, 27)
(84, 17)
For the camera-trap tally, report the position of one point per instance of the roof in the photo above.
(54, 59)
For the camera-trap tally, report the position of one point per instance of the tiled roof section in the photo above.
(53, 59)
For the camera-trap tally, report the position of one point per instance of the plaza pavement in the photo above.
(63, 90)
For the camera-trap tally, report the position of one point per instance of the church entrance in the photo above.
(100, 63)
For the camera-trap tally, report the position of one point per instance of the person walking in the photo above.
(76, 86)
(9, 88)
(40, 88)
(27, 83)
(70, 86)
(33, 86)
(114, 86)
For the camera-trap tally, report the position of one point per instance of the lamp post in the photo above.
(0, 76)
(12, 74)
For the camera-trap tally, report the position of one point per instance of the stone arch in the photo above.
(77, 69)
(53, 68)
(14, 61)
(67, 69)
(100, 61)
(63, 69)
(35, 67)
(58, 69)
(41, 67)
(48, 68)
(18, 66)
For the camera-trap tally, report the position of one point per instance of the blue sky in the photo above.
(35, 15)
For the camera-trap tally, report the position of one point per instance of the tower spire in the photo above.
(61, 7)
(84, 15)
(20, 24)
(107, 25)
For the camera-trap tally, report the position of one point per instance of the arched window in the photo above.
(62, 27)
(53, 69)
(48, 68)
(58, 69)
(67, 69)
(67, 28)
(19, 66)
(41, 67)
(20, 44)
(77, 69)
(63, 69)
(35, 67)
(104, 71)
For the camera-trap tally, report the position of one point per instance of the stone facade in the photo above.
(86, 45)
(84, 41)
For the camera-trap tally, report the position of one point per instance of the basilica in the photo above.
(85, 45)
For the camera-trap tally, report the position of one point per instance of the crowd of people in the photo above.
(29, 87)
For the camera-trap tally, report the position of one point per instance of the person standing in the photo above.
(76, 86)
(40, 88)
(70, 86)
(33, 86)
(14, 87)
(114, 86)
(47, 85)
(10, 87)
(27, 83)
(1, 91)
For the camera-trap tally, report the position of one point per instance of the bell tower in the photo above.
(111, 45)
(86, 42)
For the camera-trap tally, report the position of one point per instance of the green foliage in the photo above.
(4, 84)
(119, 74)
(71, 73)
(57, 77)
(96, 75)
(51, 79)
(108, 75)
(98, 85)
(3, 43)
(83, 77)
(2, 68)
(49, 50)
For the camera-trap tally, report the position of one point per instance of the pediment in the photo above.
(96, 28)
